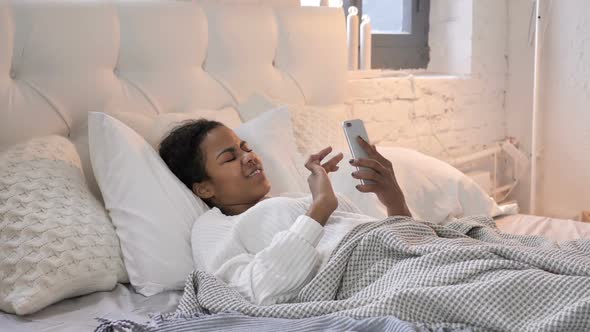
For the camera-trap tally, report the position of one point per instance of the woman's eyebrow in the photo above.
(230, 149)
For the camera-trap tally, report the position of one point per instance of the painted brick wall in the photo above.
(445, 117)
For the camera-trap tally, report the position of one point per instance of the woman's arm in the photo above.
(279, 271)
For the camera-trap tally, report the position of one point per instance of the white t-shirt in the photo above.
(269, 252)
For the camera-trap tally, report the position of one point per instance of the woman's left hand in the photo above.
(385, 186)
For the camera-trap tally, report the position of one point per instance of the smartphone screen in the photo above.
(352, 130)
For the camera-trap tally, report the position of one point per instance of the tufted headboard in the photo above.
(62, 59)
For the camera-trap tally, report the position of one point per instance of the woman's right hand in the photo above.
(324, 199)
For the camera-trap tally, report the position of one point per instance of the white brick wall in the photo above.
(445, 117)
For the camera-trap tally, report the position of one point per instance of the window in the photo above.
(391, 17)
(400, 32)
(399, 28)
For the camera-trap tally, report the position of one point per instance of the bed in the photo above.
(62, 59)
(553, 228)
(79, 314)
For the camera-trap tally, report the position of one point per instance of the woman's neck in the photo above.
(232, 210)
(235, 209)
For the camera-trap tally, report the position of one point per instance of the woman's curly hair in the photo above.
(181, 150)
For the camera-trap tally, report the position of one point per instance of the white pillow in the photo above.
(314, 127)
(153, 211)
(271, 137)
(435, 191)
(56, 240)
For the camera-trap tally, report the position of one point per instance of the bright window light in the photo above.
(389, 16)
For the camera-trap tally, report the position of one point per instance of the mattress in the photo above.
(552, 228)
(78, 314)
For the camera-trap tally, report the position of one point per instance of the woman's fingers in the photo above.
(369, 149)
(367, 188)
(317, 157)
(332, 164)
(369, 163)
(366, 175)
(373, 153)
(322, 154)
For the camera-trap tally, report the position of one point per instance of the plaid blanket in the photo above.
(465, 274)
(235, 322)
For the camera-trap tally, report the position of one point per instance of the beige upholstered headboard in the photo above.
(62, 59)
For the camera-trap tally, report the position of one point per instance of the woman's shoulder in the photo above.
(212, 214)
(213, 219)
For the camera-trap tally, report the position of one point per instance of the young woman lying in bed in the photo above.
(268, 248)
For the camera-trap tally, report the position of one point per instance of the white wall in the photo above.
(564, 181)
(450, 38)
(565, 70)
(519, 94)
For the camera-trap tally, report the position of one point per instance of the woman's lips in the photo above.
(255, 173)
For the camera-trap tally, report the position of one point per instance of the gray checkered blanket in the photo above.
(465, 274)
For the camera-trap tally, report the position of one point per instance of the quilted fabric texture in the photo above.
(56, 240)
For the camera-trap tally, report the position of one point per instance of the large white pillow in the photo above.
(152, 210)
(56, 240)
(435, 191)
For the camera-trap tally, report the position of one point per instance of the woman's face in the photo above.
(236, 175)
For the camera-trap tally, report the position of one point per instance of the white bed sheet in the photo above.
(552, 228)
(78, 314)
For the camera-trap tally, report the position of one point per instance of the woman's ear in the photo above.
(203, 189)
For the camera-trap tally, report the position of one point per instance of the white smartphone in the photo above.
(353, 129)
